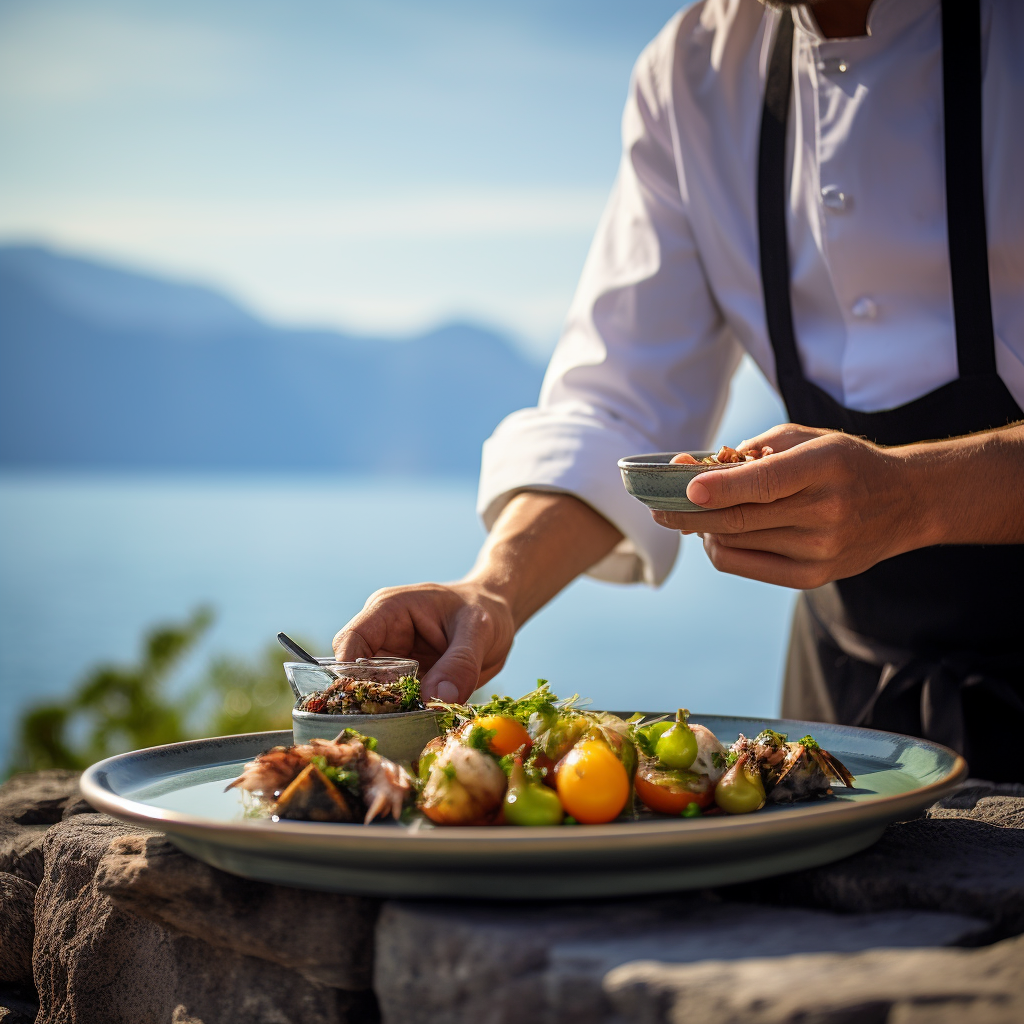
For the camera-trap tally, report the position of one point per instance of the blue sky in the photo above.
(377, 166)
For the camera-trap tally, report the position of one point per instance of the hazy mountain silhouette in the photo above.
(101, 367)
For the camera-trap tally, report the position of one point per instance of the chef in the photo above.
(837, 190)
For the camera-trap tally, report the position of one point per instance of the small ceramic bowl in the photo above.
(401, 735)
(652, 480)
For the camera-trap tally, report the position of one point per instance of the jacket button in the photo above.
(864, 309)
(834, 198)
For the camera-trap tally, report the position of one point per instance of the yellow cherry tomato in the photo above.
(508, 736)
(592, 783)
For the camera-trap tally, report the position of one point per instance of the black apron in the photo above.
(929, 642)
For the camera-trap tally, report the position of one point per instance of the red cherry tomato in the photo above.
(669, 792)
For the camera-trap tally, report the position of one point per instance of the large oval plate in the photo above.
(179, 789)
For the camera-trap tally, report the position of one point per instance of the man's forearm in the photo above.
(969, 490)
(540, 543)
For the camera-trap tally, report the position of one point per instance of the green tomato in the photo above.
(677, 746)
(423, 768)
(533, 804)
(739, 790)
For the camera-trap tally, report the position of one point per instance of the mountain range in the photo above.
(102, 367)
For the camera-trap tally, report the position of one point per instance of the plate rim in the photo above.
(823, 816)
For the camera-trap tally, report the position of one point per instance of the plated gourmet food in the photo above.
(725, 456)
(538, 760)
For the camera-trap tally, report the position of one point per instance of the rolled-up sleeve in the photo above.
(644, 360)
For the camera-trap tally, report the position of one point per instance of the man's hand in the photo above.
(461, 633)
(458, 632)
(825, 506)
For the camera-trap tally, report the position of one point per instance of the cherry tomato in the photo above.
(508, 736)
(669, 792)
(542, 762)
(676, 747)
(592, 783)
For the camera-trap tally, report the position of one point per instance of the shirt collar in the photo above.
(886, 18)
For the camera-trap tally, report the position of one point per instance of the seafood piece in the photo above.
(382, 785)
(464, 786)
(711, 754)
(311, 796)
(792, 771)
(725, 456)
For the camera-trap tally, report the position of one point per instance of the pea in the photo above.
(676, 747)
(691, 810)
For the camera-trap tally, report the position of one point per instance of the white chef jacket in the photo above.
(670, 294)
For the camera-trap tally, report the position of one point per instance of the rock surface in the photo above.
(39, 798)
(956, 865)
(129, 929)
(17, 910)
(327, 938)
(984, 986)
(96, 960)
(11, 1015)
(21, 849)
(504, 963)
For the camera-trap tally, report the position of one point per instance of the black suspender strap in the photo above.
(771, 206)
(965, 190)
(965, 196)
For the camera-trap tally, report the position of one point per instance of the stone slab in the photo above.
(39, 798)
(327, 937)
(17, 929)
(956, 865)
(890, 986)
(546, 963)
(21, 849)
(95, 960)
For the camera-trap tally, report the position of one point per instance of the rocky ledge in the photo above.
(103, 922)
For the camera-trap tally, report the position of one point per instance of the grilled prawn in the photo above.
(345, 764)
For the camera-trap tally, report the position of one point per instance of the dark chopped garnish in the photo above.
(347, 696)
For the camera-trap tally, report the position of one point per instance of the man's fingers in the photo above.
(792, 542)
(765, 566)
(350, 644)
(782, 437)
(457, 672)
(735, 519)
(759, 482)
(365, 634)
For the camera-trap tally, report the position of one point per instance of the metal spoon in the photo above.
(290, 645)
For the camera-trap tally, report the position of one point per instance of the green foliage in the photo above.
(480, 738)
(116, 708)
(410, 689)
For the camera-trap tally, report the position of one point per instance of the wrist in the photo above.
(931, 493)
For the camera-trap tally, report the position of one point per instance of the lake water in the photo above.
(87, 564)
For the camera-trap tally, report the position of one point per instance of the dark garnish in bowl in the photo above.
(347, 696)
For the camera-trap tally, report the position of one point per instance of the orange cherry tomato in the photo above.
(669, 792)
(508, 736)
(592, 783)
